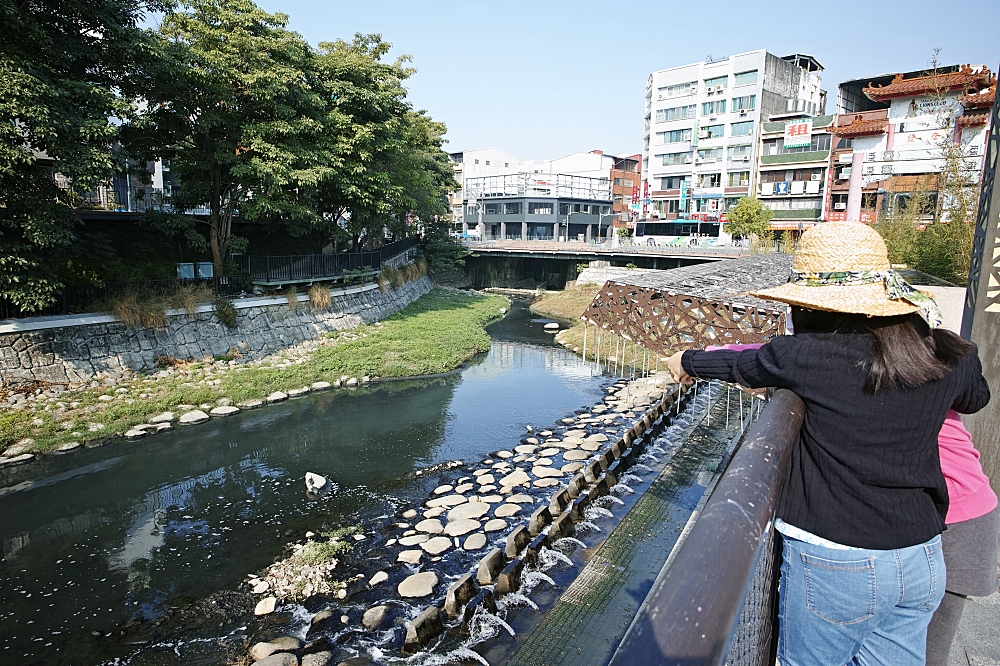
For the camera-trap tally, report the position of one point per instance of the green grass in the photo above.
(437, 333)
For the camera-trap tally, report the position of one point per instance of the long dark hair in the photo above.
(906, 353)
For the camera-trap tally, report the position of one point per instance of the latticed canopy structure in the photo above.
(693, 307)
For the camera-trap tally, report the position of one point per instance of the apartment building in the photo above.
(702, 122)
(626, 174)
(476, 163)
(890, 132)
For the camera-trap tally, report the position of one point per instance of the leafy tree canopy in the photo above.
(748, 217)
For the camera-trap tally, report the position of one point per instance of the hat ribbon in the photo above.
(896, 288)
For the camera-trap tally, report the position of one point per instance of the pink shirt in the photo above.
(969, 492)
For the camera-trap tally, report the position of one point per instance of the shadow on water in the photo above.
(95, 539)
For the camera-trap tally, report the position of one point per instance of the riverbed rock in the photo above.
(430, 526)
(378, 577)
(576, 455)
(322, 658)
(551, 451)
(589, 446)
(165, 417)
(495, 525)
(320, 386)
(261, 587)
(491, 499)
(464, 488)
(135, 433)
(413, 540)
(599, 437)
(317, 484)
(580, 434)
(526, 449)
(418, 585)
(516, 478)
(321, 620)
(545, 462)
(253, 403)
(520, 499)
(506, 510)
(441, 490)
(224, 410)
(461, 527)
(490, 488)
(265, 606)
(279, 659)
(437, 545)
(10, 461)
(571, 468)
(410, 556)
(475, 541)
(435, 512)
(351, 382)
(485, 479)
(192, 417)
(265, 649)
(545, 483)
(447, 500)
(277, 396)
(470, 510)
(410, 513)
(544, 472)
(374, 617)
(504, 454)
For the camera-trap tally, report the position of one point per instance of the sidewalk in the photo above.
(978, 640)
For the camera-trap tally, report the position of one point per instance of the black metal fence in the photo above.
(292, 268)
(716, 603)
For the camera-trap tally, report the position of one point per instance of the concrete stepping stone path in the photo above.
(543, 472)
(526, 449)
(475, 541)
(576, 455)
(551, 451)
(521, 499)
(447, 500)
(418, 585)
(430, 526)
(545, 483)
(461, 527)
(410, 556)
(506, 510)
(437, 545)
(414, 539)
(441, 490)
(515, 478)
(469, 511)
(495, 525)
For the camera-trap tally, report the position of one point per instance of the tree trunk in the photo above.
(215, 221)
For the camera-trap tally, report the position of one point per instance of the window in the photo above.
(717, 81)
(676, 136)
(746, 102)
(712, 108)
(680, 89)
(672, 182)
(710, 155)
(676, 113)
(673, 206)
(616, 199)
(506, 164)
(477, 161)
(712, 132)
(487, 162)
(739, 152)
(739, 178)
(512, 208)
(472, 210)
(563, 209)
(710, 180)
(491, 209)
(743, 129)
(745, 78)
(794, 204)
(576, 208)
(539, 208)
(670, 159)
(617, 182)
(777, 146)
(845, 142)
(791, 175)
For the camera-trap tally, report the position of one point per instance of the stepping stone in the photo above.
(418, 585)
(437, 545)
(226, 410)
(430, 526)
(464, 488)
(277, 396)
(190, 418)
(544, 461)
(379, 577)
(253, 403)
(373, 617)
(495, 525)
(485, 479)
(520, 458)
(515, 478)
(551, 451)
(571, 468)
(568, 420)
(506, 510)
(470, 510)
(599, 437)
(165, 417)
(545, 483)
(447, 500)
(531, 440)
(526, 449)
(461, 527)
(265, 606)
(320, 386)
(590, 446)
(542, 472)
(583, 416)
(135, 433)
(576, 455)
(488, 489)
(414, 539)
(504, 454)
(491, 499)
(480, 472)
(434, 513)
(575, 433)
(545, 433)
(410, 513)
(475, 541)
(441, 490)
(570, 443)
(294, 393)
(521, 499)
(410, 556)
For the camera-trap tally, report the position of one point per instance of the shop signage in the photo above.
(798, 133)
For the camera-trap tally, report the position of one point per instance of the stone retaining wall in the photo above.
(78, 349)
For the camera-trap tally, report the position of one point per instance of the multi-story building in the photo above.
(626, 174)
(701, 126)
(793, 169)
(476, 164)
(891, 132)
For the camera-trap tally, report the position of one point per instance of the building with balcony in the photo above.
(626, 174)
(793, 169)
(702, 123)
(476, 163)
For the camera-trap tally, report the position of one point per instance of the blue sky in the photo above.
(544, 79)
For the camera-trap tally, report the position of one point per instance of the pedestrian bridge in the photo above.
(661, 256)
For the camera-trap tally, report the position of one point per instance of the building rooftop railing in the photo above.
(715, 602)
(538, 185)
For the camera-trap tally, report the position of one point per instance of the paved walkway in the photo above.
(978, 640)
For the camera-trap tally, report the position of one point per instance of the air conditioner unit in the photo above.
(845, 173)
(702, 135)
(719, 88)
(709, 92)
(713, 117)
(745, 158)
(744, 183)
(743, 112)
(840, 206)
(815, 176)
(698, 160)
(659, 98)
(694, 89)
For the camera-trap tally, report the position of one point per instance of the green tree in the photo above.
(66, 70)
(749, 217)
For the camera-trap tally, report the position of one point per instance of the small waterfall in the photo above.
(655, 449)
(548, 558)
(622, 489)
(587, 526)
(485, 626)
(631, 478)
(569, 544)
(531, 579)
(648, 458)
(639, 467)
(515, 599)
(597, 512)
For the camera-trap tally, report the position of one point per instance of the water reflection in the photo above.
(94, 538)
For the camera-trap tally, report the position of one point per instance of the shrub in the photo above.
(225, 312)
(392, 276)
(292, 294)
(139, 311)
(319, 296)
(189, 297)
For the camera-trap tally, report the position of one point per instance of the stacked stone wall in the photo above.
(66, 351)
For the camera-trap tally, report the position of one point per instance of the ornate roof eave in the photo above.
(966, 78)
(983, 100)
(860, 127)
(973, 119)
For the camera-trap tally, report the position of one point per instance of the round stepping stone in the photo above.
(441, 490)
(545, 483)
(576, 455)
(196, 416)
(464, 488)
(572, 468)
(544, 461)
(520, 499)
(410, 556)
(551, 451)
(491, 499)
(475, 541)
(575, 433)
(265, 606)
(543, 472)
(516, 478)
(488, 489)
(485, 479)
(599, 437)
(504, 454)
(568, 420)
(413, 540)
(495, 525)
(531, 440)
(545, 433)
(525, 448)
(480, 472)
(430, 526)
(437, 545)
(470, 510)
(435, 512)
(520, 458)
(418, 585)
(379, 577)
(227, 410)
(461, 527)
(590, 446)
(570, 443)
(506, 510)
(410, 513)
(447, 500)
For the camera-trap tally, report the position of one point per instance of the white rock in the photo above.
(379, 577)
(515, 478)
(437, 545)
(418, 585)
(475, 541)
(504, 454)
(576, 455)
(410, 513)
(277, 396)
(552, 326)
(410, 556)
(414, 540)
(491, 499)
(488, 488)
(506, 510)
(551, 451)
(135, 433)
(470, 510)
(543, 472)
(353, 381)
(461, 527)
(599, 437)
(165, 417)
(320, 386)
(435, 512)
(526, 449)
(464, 488)
(317, 484)
(546, 483)
(495, 525)
(544, 461)
(261, 587)
(430, 526)
(225, 410)
(485, 479)
(441, 490)
(521, 499)
(447, 500)
(265, 606)
(192, 417)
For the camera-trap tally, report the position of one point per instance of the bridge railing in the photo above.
(605, 247)
(715, 602)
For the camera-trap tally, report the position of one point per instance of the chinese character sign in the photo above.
(798, 134)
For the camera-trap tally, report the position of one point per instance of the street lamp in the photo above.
(600, 221)
(569, 212)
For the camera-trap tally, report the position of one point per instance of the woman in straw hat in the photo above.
(864, 500)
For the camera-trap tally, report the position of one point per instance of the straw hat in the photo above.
(835, 247)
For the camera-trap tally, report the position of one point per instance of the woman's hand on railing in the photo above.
(677, 370)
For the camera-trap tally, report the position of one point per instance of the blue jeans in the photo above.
(858, 607)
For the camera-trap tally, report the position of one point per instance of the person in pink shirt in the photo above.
(971, 541)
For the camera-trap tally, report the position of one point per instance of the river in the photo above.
(114, 537)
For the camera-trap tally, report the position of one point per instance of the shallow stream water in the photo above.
(99, 542)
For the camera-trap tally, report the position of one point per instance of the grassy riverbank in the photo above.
(435, 334)
(567, 306)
